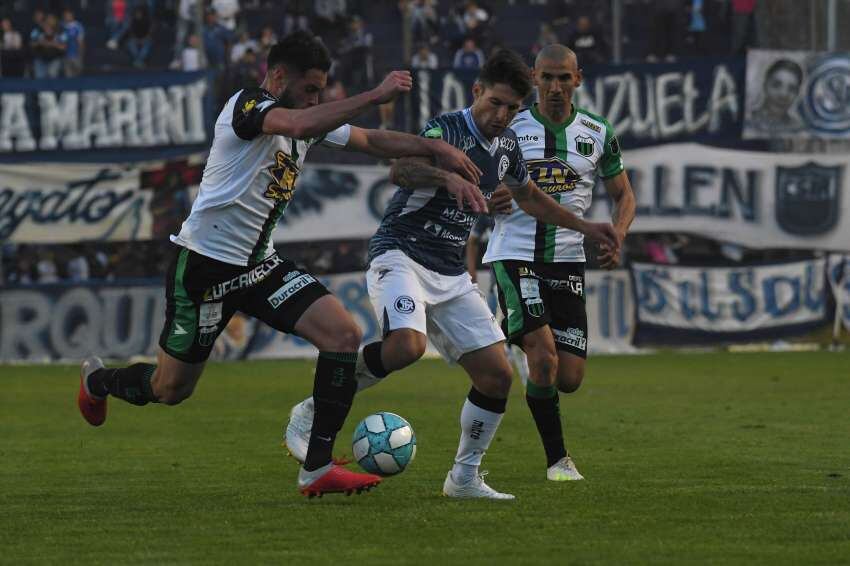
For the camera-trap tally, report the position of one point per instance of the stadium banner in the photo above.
(647, 104)
(839, 282)
(118, 118)
(797, 94)
(117, 320)
(336, 202)
(694, 305)
(755, 199)
(73, 202)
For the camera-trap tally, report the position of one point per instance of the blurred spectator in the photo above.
(78, 267)
(424, 21)
(245, 43)
(217, 38)
(46, 268)
(267, 39)
(546, 36)
(744, 30)
(330, 20)
(12, 59)
(355, 54)
(116, 22)
(48, 44)
(469, 56)
(246, 71)
(139, 40)
(666, 29)
(190, 58)
(474, 16)
(296, 16)
(76, 44)
(424, 58)
(226, 10)
(697, 27)
(185, 24)
(589, 45)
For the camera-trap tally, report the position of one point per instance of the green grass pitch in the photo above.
(689, 458)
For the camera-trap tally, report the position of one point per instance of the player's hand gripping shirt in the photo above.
(425, 223)
(248, 182)
(564, 162)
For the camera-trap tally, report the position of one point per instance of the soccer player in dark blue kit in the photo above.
(417, 278)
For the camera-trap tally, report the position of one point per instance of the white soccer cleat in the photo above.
(474, 489)
(563, 470)
(298, 429)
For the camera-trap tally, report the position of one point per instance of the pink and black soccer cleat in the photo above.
(92, 408)
(334, 479)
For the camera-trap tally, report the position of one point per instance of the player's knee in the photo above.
(172, 394)
(570, 379)
(543, 364)
(497, 382)
(346, 339)
(410, 346)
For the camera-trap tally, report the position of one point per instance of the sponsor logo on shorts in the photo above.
(248, 279)
(574, 337)
(209, 314)
(293, 286)
(207, 334)
(405, 304)
(575, 284)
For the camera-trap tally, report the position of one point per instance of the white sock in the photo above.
(517, 356)
(477, 428)
(364, 377)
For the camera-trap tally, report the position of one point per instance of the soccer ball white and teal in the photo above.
(384, 444)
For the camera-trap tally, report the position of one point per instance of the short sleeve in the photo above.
(518, 169)
(611, 162)
(337, 138)
(248, 113)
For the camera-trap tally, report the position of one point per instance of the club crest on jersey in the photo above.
(284, 172)
(504, 163)
(249, 105)
(584, 145)
(553, 175)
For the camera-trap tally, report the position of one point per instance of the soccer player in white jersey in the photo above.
(417, 278)
(539, 267)
(225, 261)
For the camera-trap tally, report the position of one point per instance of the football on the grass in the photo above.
(384, 444)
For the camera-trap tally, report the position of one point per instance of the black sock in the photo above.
(333, 391)
(133, 384)
(544, 404)
(372, 357)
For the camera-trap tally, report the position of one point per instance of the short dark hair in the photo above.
(301, 51)
(507, 67)
(786, 65)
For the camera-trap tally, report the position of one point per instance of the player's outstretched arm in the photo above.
(387, 143)
(547, 210)
(620, 190)
(418, 173)
(320, 119)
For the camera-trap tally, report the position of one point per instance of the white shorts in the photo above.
(449, 309)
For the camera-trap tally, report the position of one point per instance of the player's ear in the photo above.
(477, 90)
(579, 78)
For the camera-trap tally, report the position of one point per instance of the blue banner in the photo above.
(700, 100)
(123, 118)
(695, 305)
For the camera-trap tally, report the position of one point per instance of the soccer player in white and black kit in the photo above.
(224, 260)
(539, 267)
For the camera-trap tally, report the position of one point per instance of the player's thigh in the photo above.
(463, 323)
(489, 370)
(569, 329)
(195, 311)
(523, 299)
(396, 293)
(293, 301)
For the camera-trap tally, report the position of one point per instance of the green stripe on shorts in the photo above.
(182, 333)
(512, 302)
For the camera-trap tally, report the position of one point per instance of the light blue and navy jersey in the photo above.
(425, 223)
